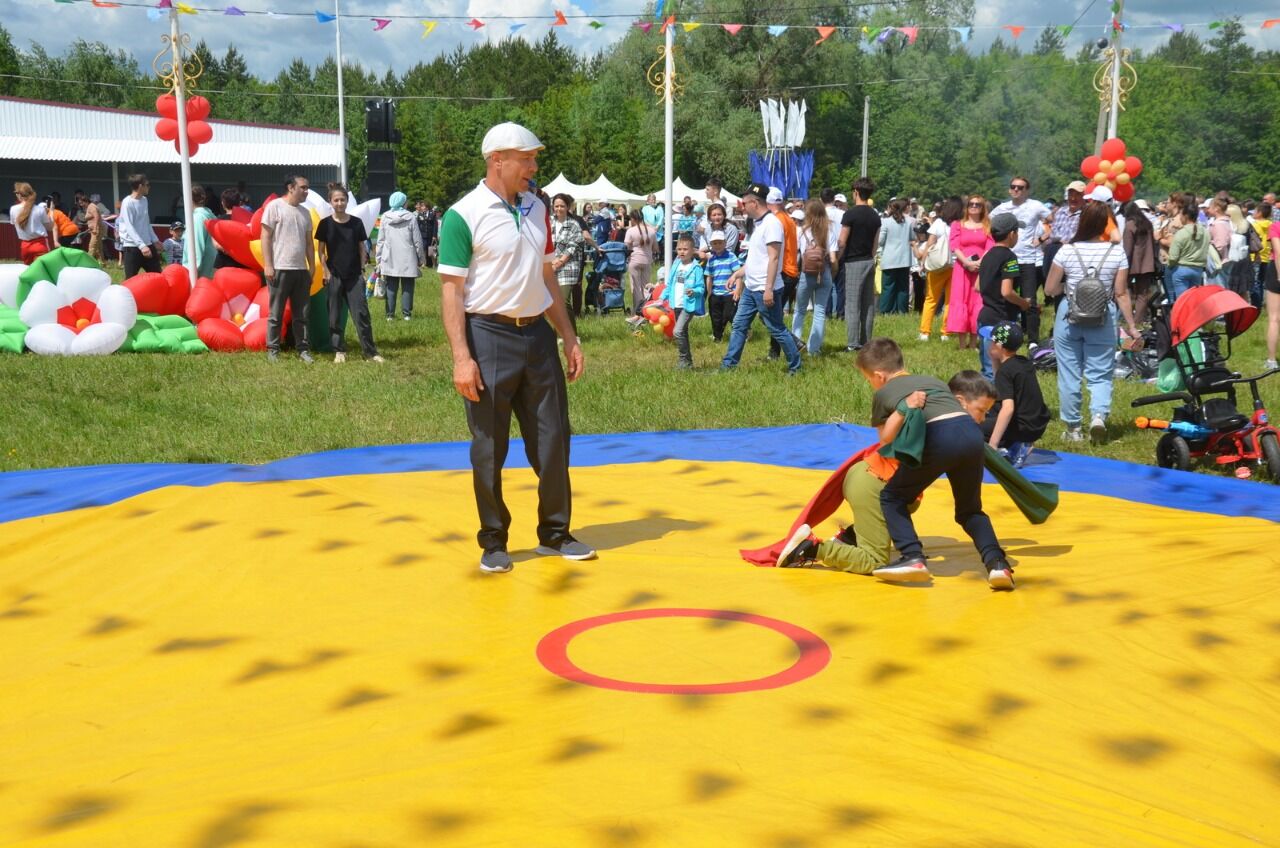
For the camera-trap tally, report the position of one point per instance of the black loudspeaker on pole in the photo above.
(380, 121)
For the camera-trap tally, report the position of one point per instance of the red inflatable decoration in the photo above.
(199, 131)
(230, 311)
(1112, 168)
(161, 294)
(234, 237)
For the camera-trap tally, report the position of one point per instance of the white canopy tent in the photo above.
(560, 185)
(601, 189)
(680, 189)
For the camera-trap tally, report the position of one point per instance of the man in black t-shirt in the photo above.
(859, 232)
(1020, 415)
(997, 283)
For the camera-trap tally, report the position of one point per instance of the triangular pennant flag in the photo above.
(1270, 22)
(560, 20)
(1215, 25)
(1115, 7)
(871, 32)
(777, 29)
(690, 26)
(165, 4)
(884, 35)
(732, 29)
(912, 33)
(657, 11)
(154, 14)
(595, 25)
(475, 24)
(325, 19)
(380, 24)
(644, 26)
(1015, 31)
(428, 27)
(186, 9)
(102, 5)
(517, 27)
(964, 33)
(1174, 27)
(824, 32)
(1065, 29)
(669, 22)
(233, 11)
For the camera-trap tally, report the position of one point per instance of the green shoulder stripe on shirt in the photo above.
(455, 240)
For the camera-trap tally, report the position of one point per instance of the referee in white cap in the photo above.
(498, 293)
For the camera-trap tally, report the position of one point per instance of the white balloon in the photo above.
(367, 212)
(49, 340)
(88, 283)
(99, 340)
(317, 202)
(9, 284)
(117, 306)
(42, 304)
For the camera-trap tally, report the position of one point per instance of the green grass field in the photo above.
(240, 408)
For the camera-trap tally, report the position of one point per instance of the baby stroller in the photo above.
(1209, 423)
(611, 264)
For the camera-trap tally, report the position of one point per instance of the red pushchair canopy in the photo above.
(1203, 304)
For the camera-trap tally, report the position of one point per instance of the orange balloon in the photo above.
(1122, 178)
(1104, 165)
(1100, 177)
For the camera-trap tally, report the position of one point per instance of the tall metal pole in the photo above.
(184, 152)
(1117, 31)
(669, 158)
(866, 130)
(342, 103)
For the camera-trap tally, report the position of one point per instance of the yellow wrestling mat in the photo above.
(318, 663)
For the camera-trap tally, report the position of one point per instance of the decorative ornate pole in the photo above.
(179, 68)
(665, 85)
(1115, 77)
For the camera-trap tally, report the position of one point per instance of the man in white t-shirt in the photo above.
(1031, 215)
(758, 283)
(289, 264)
(498, 291)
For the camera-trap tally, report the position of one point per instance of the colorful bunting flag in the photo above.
(517, 27)
(657, 11)
(165, 4)
(102, 5)
(912, 33)
(595, 25)
(428, 27)
(1014, 30)
(325, 19)
(871, 32)
(644, 26)
(186, 9)
(233, 11)
(1215, 25)
(690, 26)
(884, 35)
(777, 29)
(964, 33)
(380, 24)
(1270, 22)
(1065, 29)
(824, 32)
(669, 22)
(154, 15)
(1174, 27)
(732, 29)
(1115, 7)
(560, 20)
(475, 24)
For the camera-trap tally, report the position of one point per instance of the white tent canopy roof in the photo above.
(602, 189)
(560, 185)
(680, 189)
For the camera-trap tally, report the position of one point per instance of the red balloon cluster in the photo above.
(1113, 168)
(198, 129)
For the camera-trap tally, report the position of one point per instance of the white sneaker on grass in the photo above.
(1098, 430)
(923, 337)
(339, 357)
(1073, 433)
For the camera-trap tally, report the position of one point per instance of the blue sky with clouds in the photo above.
(270, 43)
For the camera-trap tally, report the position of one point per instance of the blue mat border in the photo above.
(28, 494)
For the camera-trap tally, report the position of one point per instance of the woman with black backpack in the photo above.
(1093, 273)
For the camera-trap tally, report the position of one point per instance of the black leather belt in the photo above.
(506, 319)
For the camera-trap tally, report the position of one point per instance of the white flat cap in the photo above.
(509, 136)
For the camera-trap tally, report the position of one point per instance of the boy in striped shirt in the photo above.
(720, 266)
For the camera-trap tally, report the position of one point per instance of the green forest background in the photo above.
(1203, 116)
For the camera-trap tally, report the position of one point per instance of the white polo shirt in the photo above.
(500, 250)
(767, 231)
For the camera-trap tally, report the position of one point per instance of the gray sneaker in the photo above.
(495, 562)
(306, 357)
(272, 356)
(568, 547)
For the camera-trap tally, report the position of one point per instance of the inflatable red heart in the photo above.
(149, 291)
(234, 238)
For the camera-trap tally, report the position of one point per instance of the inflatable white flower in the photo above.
(83, 315)
(9, 274)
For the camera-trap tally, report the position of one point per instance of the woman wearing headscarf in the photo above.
(400, 254)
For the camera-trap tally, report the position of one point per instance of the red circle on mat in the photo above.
(553, 653)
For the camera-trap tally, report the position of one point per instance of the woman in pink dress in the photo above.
(970, 239)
